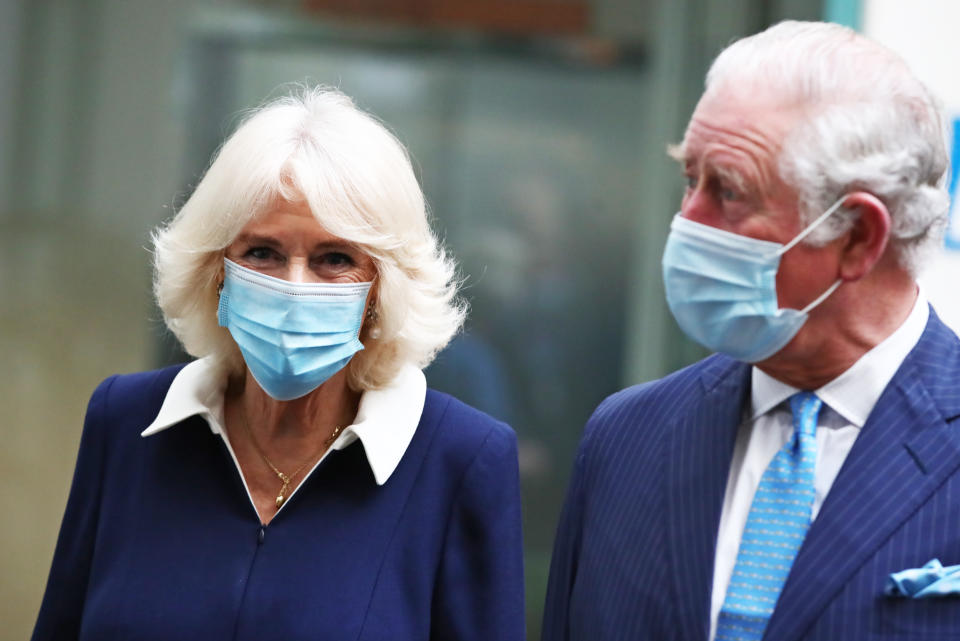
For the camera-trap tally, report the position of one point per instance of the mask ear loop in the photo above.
(834, 207)
(823, 296)
(822, 217)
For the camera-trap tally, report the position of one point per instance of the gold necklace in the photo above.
(284, 478)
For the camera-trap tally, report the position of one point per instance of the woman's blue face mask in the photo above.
(722, 289)
(293, 336)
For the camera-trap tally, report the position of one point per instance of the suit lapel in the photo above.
(904, 453)
(701, 446)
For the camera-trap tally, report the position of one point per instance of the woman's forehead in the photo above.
(286, 218)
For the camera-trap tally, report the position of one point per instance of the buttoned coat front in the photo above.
(160, 540)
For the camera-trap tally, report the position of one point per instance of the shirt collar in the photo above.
(854, 393)
(386, 421)
(386, 418)
(197, 389)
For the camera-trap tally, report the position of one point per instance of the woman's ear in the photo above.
(371, 318)
(866, 240)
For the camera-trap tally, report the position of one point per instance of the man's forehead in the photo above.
(746, 107)
(725, 130)
(737, 162)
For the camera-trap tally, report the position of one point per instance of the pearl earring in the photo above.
(372, 317)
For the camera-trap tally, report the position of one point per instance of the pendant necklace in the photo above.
(286, 479)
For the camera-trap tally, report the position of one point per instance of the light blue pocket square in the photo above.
(932, 580)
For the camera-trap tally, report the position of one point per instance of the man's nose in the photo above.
(697, 205)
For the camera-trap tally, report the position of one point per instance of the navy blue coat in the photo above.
(160, 541)
(635, 548)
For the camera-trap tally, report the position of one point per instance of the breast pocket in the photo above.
(927, 619)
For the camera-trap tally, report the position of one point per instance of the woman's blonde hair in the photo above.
(317, 147)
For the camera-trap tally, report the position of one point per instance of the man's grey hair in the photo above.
(868, 124)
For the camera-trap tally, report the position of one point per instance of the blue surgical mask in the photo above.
(722, 289)
(293, 336)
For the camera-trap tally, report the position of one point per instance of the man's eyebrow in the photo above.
(678, 152)
(735, 178)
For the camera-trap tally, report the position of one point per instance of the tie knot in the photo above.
(805, 406)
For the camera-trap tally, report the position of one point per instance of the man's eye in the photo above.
(729, 194)
(690, 182)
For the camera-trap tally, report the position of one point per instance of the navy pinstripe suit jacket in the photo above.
(634, 552)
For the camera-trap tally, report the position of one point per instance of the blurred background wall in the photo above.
(538, 128)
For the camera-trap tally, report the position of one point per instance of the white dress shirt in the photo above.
(768, 425)
(386, 418)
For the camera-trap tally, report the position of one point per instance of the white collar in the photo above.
(854, 393)
(386, 418)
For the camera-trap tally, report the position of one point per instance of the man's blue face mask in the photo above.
(722, 289)
(293, 336)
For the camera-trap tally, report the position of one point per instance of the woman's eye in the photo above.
(690, 182)
(261, 254)
(335, 259)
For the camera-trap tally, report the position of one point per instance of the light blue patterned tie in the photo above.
(778, 521)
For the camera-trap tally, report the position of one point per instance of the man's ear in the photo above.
(866, 240)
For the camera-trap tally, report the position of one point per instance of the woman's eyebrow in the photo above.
(258, 239)
(338, 245)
